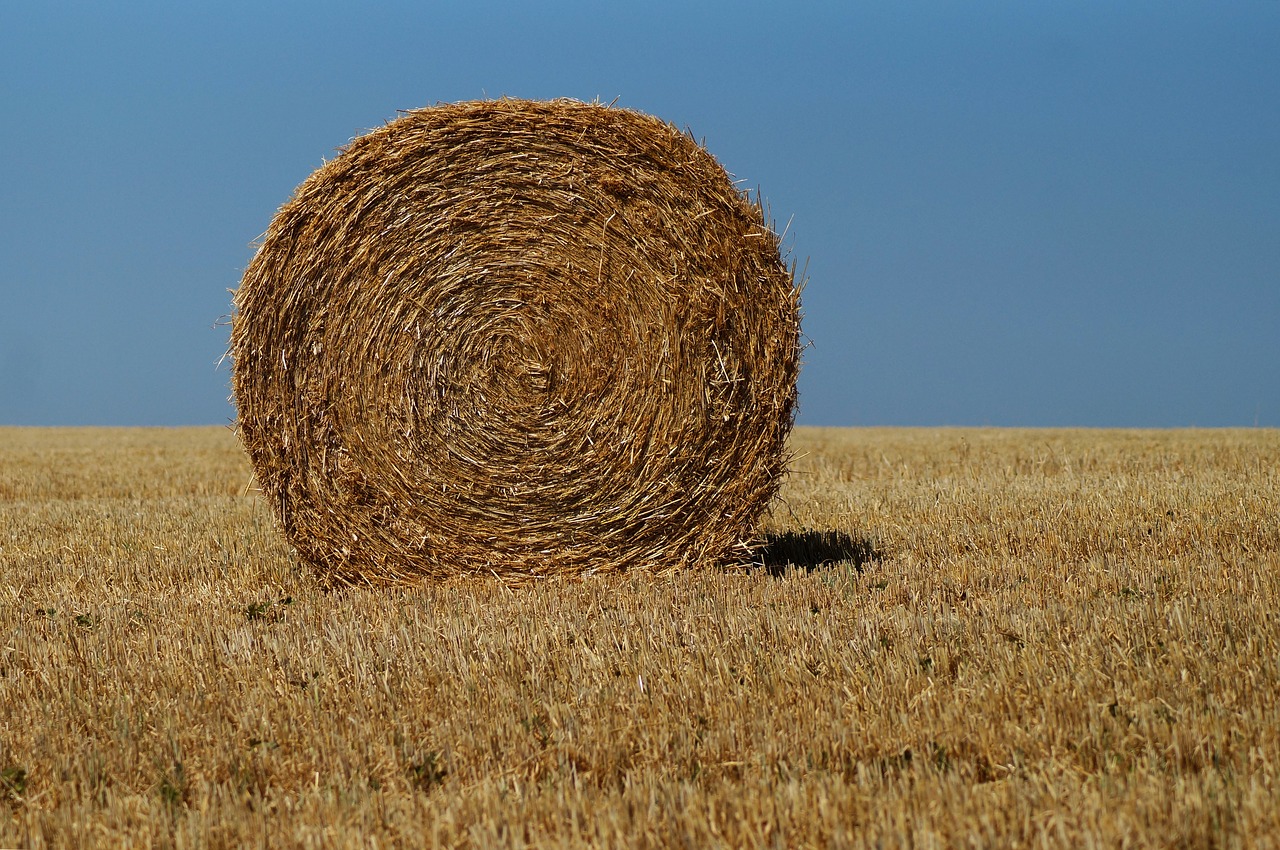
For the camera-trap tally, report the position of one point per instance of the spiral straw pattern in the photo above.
(517, 338)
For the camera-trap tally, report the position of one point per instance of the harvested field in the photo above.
(998, 638)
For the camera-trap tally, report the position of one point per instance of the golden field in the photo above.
(992, 638)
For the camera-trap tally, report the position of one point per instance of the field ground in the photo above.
(1035, 638)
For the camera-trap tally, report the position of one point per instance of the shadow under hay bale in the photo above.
(809, 550)
(517, 338)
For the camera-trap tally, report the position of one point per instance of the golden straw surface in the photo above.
(517, 338)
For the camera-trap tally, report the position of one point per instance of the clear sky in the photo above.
(1014, 213)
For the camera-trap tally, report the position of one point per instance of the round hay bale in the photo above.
(517, 338)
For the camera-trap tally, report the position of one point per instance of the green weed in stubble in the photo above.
(173, 785)
(13, 783)
(267, 611)
(536, 725)
(427, 771)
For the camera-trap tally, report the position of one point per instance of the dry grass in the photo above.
(517, 338)
(1055, 639)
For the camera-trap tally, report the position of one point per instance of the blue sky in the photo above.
(1014, 213)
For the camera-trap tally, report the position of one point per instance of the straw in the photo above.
(517, 338)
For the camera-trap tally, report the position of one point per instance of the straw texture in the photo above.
(517, 338)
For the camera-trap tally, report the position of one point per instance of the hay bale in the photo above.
(516, 338)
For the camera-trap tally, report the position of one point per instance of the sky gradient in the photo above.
(1013, 214)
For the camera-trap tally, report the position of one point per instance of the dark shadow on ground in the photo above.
(809, 550)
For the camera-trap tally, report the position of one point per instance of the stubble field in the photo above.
(986, 638)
